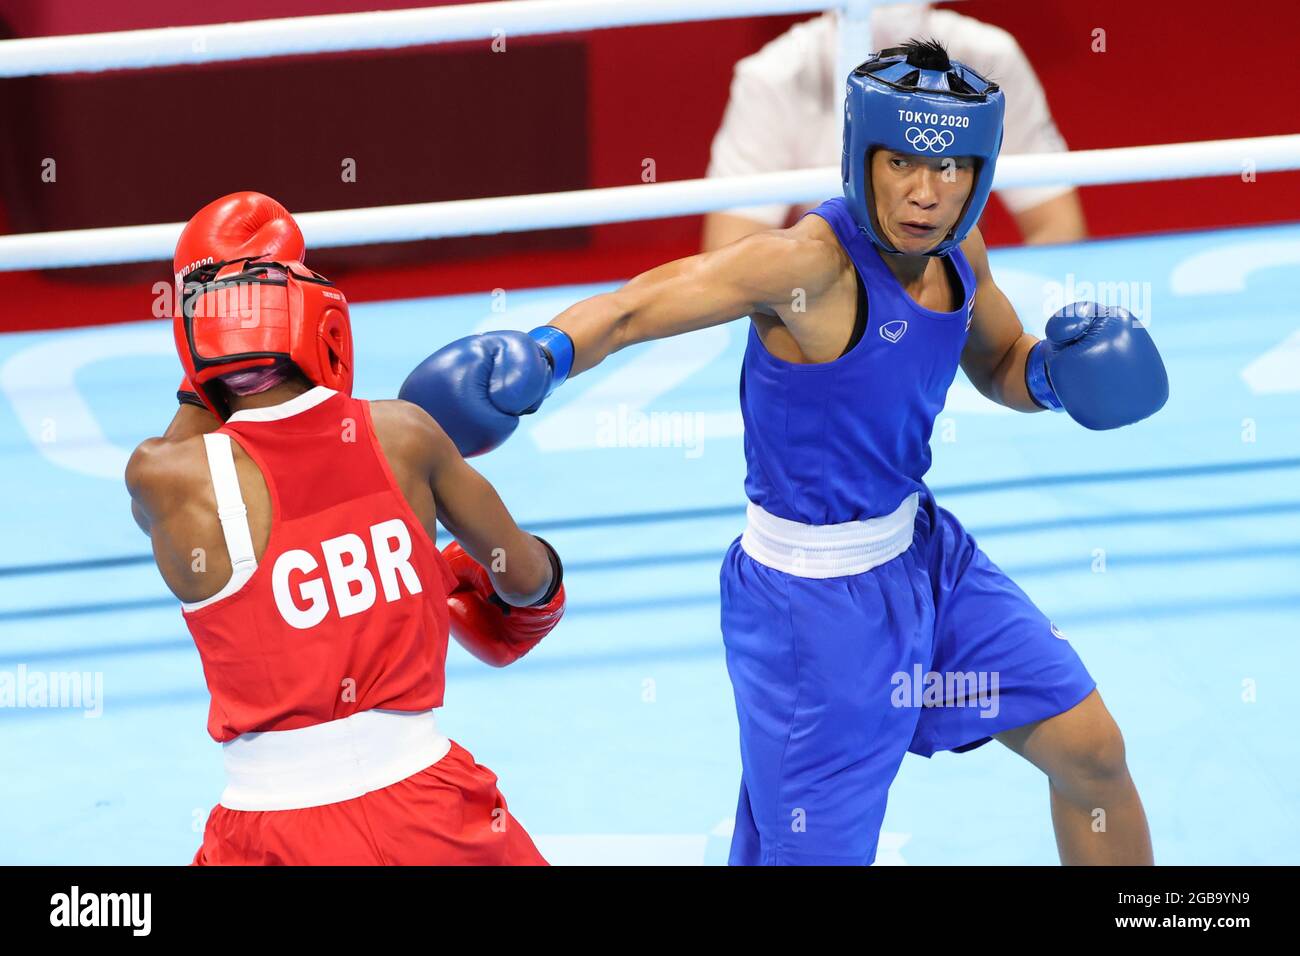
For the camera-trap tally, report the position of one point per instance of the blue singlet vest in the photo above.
(850, 439)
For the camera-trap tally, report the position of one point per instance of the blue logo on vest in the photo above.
(893, 331)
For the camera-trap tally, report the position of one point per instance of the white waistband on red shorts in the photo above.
(828, 550)
(329, 762)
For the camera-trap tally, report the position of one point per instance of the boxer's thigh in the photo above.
(814, 664)
(337, 834)
(1002, 662)
(449, 814)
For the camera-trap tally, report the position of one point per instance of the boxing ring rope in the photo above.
(379, 30)
(402, 28)
(585, 207)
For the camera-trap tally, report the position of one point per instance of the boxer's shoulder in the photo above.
(408, 433)
(815, 239)
(808, 252)
(164, 467)
(405, 420)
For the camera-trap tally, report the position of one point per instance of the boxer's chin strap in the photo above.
(185, 397)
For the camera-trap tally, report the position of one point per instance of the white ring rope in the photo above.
(400, 28)
(381, 30)
(476, 217)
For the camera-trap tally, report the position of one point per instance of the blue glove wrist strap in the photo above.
(1038, 381)
(559, 349)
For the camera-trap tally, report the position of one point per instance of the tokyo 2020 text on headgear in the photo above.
(252, 313)
(894, 104)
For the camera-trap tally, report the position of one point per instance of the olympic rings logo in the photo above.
(936, 141)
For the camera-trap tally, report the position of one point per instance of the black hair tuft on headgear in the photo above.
(926, 54)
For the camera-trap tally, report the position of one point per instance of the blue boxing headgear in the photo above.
(893, 104)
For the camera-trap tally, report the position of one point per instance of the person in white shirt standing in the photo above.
(784, 113)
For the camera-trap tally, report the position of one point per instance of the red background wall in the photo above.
(559, 113)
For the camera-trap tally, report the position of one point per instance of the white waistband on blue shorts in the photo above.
(329, 762)
(828, 550)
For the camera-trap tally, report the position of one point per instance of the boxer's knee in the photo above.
(1091, 763)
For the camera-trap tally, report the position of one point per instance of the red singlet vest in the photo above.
(347, 609)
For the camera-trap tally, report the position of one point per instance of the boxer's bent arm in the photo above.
(997, 345)
(759, 273)
(148, 467)
(470, 508)
(134, 485)
(148, 479)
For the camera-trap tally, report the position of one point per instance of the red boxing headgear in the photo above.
(250, 313)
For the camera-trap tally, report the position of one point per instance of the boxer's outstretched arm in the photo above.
(479, 386)
(757, 274)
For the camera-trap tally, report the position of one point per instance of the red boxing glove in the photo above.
(493, 631)
(239, 226)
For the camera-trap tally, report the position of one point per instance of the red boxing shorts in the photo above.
(449, 814)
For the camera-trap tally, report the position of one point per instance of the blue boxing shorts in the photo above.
(837, 677)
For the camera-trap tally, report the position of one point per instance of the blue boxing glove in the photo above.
(1099, 364)
(477, 387)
